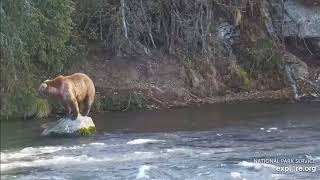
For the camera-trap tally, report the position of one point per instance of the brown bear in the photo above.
(70, 91)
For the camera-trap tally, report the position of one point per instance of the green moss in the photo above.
(86, 131)
(81, 132)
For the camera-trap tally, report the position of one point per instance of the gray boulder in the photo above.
(83, 125)
(298, 69)
(299, 20)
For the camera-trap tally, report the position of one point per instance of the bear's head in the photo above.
(52, 87)
(43, 89)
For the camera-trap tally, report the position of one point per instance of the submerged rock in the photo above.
(83, 125)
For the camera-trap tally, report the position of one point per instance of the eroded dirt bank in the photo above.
(246, 56)
(134, 82)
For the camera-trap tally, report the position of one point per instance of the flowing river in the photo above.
(237, 141)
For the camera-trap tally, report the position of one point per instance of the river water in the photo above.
(239, 141)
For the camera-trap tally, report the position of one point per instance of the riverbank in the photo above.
(156, 82)
(159, 81)
(185, 54)
(242, 57)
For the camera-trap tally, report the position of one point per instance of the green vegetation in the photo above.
(133, 101)
(261, 57)
(243, 77)
(239, 78)
(34, 38)
(41, 38)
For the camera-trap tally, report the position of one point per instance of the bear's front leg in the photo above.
(67, 108)
(74, 108)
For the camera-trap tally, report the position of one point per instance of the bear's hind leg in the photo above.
(87, 105)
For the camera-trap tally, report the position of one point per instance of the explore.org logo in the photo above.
(290, 164)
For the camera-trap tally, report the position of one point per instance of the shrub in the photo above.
(34, 38)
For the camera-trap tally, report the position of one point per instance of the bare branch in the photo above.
(124, 19)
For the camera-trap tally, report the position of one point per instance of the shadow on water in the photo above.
(21, 133)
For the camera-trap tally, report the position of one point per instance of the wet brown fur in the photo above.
(71, 91)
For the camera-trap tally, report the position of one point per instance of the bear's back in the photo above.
(81, 85)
